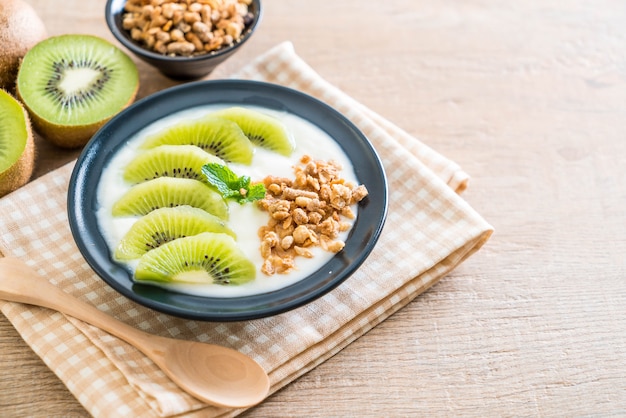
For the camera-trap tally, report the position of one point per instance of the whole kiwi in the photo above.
(20, 29)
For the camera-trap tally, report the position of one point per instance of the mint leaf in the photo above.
(255, 192)
(221, 177)
(232, 186)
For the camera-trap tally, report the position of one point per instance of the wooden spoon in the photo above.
(217, 375)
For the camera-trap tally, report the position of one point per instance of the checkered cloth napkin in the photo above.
(429, 231)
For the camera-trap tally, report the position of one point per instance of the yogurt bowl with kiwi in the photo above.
(227, 200)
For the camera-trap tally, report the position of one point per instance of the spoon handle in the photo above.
(20, 283)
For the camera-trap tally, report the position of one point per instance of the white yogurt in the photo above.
(245, 220)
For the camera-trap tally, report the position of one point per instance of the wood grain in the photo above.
(530, 99)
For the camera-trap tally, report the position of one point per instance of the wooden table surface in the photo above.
(529, 97)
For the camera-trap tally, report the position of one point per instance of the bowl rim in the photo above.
(84, 180)
(124, 39)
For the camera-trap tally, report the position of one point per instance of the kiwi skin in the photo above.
(68, 136)
(21, 171)
(20, 29)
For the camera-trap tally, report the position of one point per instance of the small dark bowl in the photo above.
(177, 67)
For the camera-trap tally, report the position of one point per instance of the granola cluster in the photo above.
(311, 210)
(186, 27)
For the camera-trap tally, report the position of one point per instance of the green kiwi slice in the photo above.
(17, 147)
(219, 137)
(261, 129)
(72, 84)
(164, 192)
(206, 258)
(165, 225)
(182, 161)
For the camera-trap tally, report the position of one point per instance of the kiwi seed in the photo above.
(72, 84)
(17, 147)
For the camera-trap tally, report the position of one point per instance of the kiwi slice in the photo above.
(206, 258)
(219, 137)
(261, 129)
(165, 192)
(17, 147)
(72, 84)
(165, 225)
(182, 161)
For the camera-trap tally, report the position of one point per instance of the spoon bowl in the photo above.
(216, 375)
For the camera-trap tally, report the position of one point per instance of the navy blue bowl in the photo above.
(176, 67)
(82, 198)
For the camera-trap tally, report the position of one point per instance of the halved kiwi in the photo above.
(17, 148)
(165, 192)
(261, 129)
(165, 225)
(182, 161)
(220, 137)
(72, 84)
(207, 258)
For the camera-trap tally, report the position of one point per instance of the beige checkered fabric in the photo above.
(429, 231)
